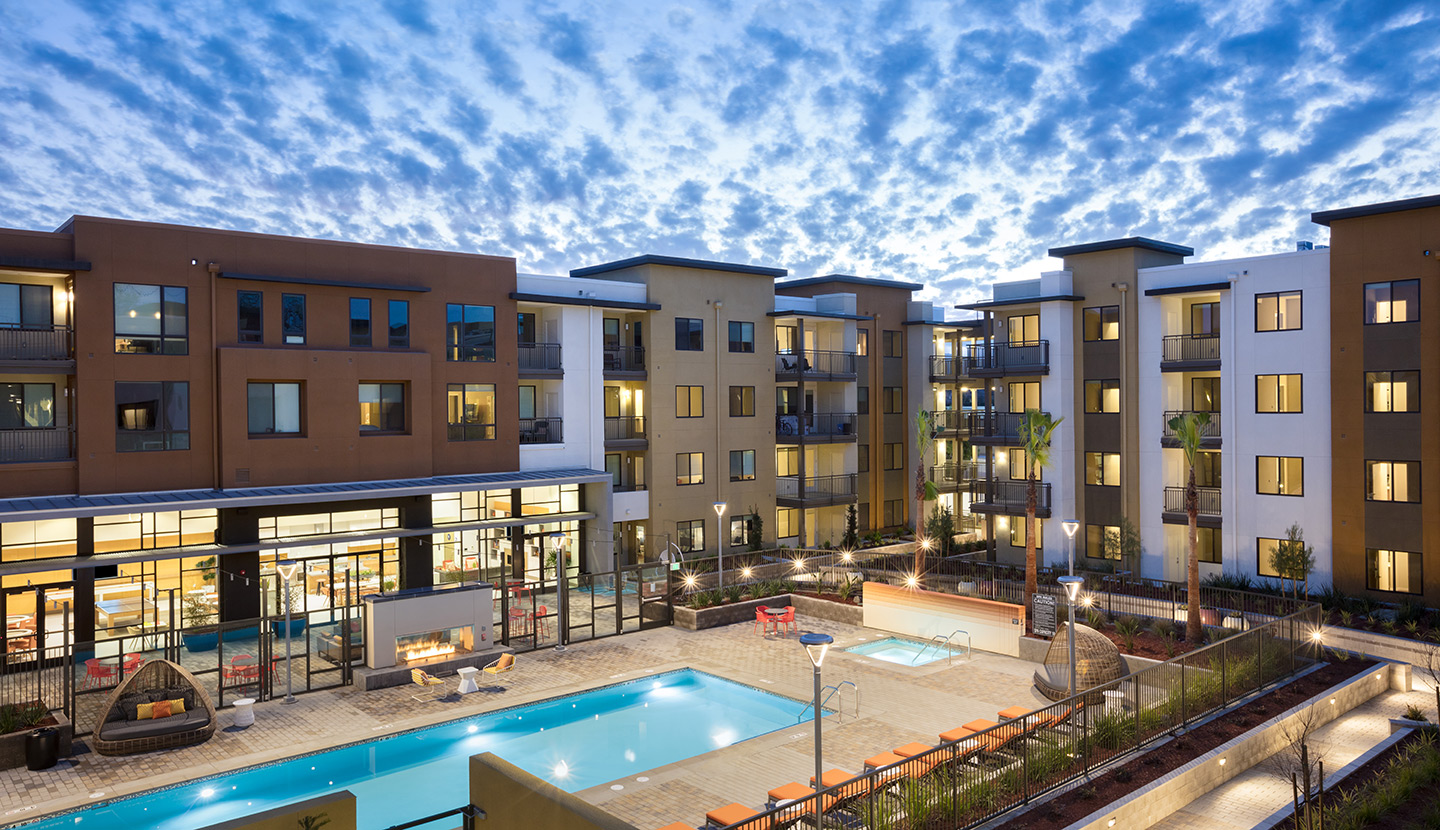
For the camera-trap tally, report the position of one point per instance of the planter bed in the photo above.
(1362, 780)
(12, 746)
(1149, 765)
(806, 605)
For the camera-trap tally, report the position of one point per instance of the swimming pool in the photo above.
(902, 651)
(574, 742)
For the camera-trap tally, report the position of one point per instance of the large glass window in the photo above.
(1101, 396)
(360, 329)
(152, 416)
(690, 536)
(1394, 570)
(1278, 393)
(1205, 394)
(470, 333)
(1102, 541)
(1018, 534)
(1392, 302)
(152, 531)
(399, 319)
(150, 319)
(26, 306)
(1207, 545)
(382, 407)
(1205, 318)
(1102, 323)
(1392, 391)
(1102, 468)
(893, 343)
(738, 527)
(292, 319)
(1278, 475)
(742, 401)
(894, 400)
(274, 408)
(742, 337)
(1265, 548)
(689, 334)
(27, 405)
(689, 402)
(1023, 328)
(250, 308)
(894, 456)
(742, 465)
(44, 539)
(787, 461)
(1024, 395)
(1277, 312)
(689, 468)
(1392, 481)
(470, 410)
(787, 522)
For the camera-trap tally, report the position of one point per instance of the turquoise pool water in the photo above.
(902, 651)
(574, 742)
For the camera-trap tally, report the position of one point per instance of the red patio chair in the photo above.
(789, 619)
(99, 674)
(762, 620)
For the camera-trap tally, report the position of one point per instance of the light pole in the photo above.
(815, 646)
(562, 581)
(1070, 526)
(287, 569)
(720, 543)
(1072, 585)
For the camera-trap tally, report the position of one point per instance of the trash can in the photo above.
(42, 748)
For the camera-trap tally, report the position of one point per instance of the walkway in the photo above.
(1252, 796)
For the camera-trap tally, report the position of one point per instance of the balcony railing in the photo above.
(1191, 348)
(22, 445)
(1208, 500)
(539, 357)
(951, 476)
(36, 344)
(825, 426)
(994, 427)
(946, 368)
(626, 359)
(817, 488)
(994, 496)
(541, 431)
(626, 428)
(627, 487)
(816, 364)
(1209, 433)
(1020, 358)
(950, 420)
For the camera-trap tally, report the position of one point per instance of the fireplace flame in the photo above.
(436, 650)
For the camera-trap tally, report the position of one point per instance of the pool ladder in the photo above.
(937, 641)
(829, 692)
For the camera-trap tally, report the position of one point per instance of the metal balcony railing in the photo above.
(950, 420)
(944, 367)
(816, 487)
(1007, 496)
(626, 359)
(1208, 500)
(625, 428)
(539, 357)
(815, 363)
(816, 424)
(994, 427)
(954, 475)
(1187, 348)
(1208, 431)
(53, 343)
(22, 445)
(541, 431)
(1018, 358)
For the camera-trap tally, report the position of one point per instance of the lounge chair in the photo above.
(1013, 712)
(733, 815)
(505, 664)
(424, 680)
(120, 729)
(959, 733)
(857, 795)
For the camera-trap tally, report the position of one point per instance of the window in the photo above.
(862, 342)
(43, 539)
(359, 321)
(152, 416)
(1024, 328)
(1392, 391)
(1205, 394)
(1102, 397)
(26, 306)
(1207, 545)
(470, 411)
(470, 333)
(787, 522)
(689, 334)
(1017, 533)
(1102, 541)
(1018, 467)
(862, 400)
(786, 339)
(1278, 393)
(1277, 312)
(1207, 468)
(742, 465)
(610, 334)
(894, 400)
(382, 407)
(1279, 475)
(689, 468)
(690, 536)
(525, 328)
(742, 402)
(399, 319)
(894, 512)
(863, 459)
(150, 319)
(1102, 323)
(895, 456)
(292, 319)
(27, 405)
(787, 401)
(1393, 570)
(738, 525)
(787, 461)
(149, 531)
(1392, 302)
(527, 402)
(742, 337)
(1392, 481)
(894, 343)
(1102, 468)
(250, 309)
(1265, 547)
(1205, 318)
(1024, 395)
(274, 408)
(689, 402)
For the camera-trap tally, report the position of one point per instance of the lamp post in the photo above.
(287, 569)
(1070, 526)
(1072, 585)
(562, 581)
(720, 543)
(815, 647)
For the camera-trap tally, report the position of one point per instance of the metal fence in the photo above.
(1183, 348)
(18, 445)
(1207, 498)
(538, 357)
(1003, 358)
(53, 343)
(813, 362)
(542, 430)
(819, 424)
(1007, 496)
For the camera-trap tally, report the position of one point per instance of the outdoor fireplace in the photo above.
(416, 649)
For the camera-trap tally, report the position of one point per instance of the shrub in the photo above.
(1127, 628)
(1413, 712)
(1410, 611)
(733, 593)
(1095, 618)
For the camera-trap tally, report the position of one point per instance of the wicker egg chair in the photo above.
(1097, 662)
(116, 735)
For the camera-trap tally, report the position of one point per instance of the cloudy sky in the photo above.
(947, 143)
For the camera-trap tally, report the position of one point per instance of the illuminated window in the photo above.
(1279, 475)
(1392, 391)
(1102, 323)
(1392, 481)
(1278, 393)
(150, 319)
(1393, 570)
(1102, 396)
(1277, 312)
(1392, 302)
(1102, 468)
(689, 402)
(742, 465)
(470, 411)
(1101, 541)
(382, 407)
(689, 468)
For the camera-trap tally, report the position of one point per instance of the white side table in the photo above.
(244, 714)
(467, 680)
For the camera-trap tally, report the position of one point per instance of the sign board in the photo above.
(1043, 613)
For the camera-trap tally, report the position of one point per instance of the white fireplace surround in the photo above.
(422, 610)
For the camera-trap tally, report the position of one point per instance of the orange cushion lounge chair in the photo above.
(731, 815)
(678, 825)
(959, 733)
(1014, 712)
(912, 749)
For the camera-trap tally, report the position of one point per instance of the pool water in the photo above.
(902, 651)
(574, 742)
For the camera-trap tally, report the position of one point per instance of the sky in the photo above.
(949, 144)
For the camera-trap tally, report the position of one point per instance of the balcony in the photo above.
(1007, 497)
(539, 359)
(541, 431)
(20, 446)
(1209, 433)
(1001, 359)
(1190, 353)
(994, 428)
(951, 423)
(949, 478)
(815, 365)
(819, 428)
(944, 369)
(27, 344)
(627, 362)
(626, 432)
(1208, 500)
(819, 491)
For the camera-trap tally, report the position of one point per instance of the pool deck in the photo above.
(898, 704)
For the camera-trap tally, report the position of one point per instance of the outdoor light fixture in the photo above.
(925, 543)
(816, 645)
(1072, 585)
(720, 543)
(1070, 526)
(1222, 762)
(287, 569)
(745, 573)
(1316, 636)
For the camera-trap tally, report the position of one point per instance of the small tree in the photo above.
(754, 529)
(1127, 542)
(1036, 430)
(1292, 559)
(1189, 429)
(1298, 760)
(924, 487)
(852, 528)
(941, 527)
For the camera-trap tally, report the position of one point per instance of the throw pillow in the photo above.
(145, 711)
(177, 705)
(130, 703)
(160, 710)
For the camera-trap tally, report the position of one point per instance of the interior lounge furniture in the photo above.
(332, 645)
(120, 730)
(424, 680)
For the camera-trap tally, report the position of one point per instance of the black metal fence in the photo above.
(538, 357)
(1209, 431)
(625, 428)
(1208, 499)
(817, 424)
(53, 444)
(816, 487)
(542, 431)
(1007, 358)
(813, 362)
(1007, 496)
(627, 359)
(1183, 348)
(54, 343)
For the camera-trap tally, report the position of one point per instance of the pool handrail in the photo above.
(938, 640)
(833, 691)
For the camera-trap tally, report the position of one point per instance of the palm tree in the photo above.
(1036, 429)
(924, 488)
(1189, 428)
